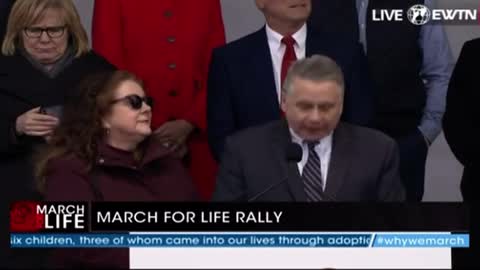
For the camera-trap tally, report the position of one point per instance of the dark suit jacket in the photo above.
(363, 166)
(335, 16)
(242, 91)
(460, 122)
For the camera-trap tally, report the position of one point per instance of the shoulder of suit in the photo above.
(259, 133)
(359, 133)
(96, 60)
(7, 60)
(332, 36)
(16, 66)
(340, 47)
(474, 43)
(243, 43)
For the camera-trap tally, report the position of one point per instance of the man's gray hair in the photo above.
(315, 68)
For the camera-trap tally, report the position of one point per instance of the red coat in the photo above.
(157, 177)
(168, 44)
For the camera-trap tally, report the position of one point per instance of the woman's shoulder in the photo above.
(8, 63)
(155, 151)
(68, 162)
(95, 60)
(67, 179)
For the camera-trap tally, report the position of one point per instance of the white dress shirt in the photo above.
(277, 50)
(323, 149)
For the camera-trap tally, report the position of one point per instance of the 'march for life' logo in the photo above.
(421, 15)
(28, 216)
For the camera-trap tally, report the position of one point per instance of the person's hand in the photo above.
(34, 123)
(175, 133)
(179, 151)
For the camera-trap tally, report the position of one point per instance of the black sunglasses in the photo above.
(135, 101)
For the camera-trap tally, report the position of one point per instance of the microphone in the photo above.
(293, 155)
(258, 195)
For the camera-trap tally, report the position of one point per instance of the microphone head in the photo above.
(294, 152)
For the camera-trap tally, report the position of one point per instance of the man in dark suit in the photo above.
(310, 156)
(409, 66)
(460, 122)
(462, 132)
(246, 75)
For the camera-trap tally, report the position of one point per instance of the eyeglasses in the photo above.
(135, 101)
(52, 32)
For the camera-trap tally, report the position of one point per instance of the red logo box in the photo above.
(24, 217)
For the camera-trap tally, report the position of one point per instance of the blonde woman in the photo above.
(45, 53)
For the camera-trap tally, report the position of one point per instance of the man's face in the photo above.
(313, 109)
(285, 11)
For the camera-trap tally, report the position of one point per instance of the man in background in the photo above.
(410, 66)
(246, 75)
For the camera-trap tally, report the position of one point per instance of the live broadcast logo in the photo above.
(51, 217)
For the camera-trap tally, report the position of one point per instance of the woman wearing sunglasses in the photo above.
(106, 153)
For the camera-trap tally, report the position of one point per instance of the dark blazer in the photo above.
(242, 91)
(363, 166)
(335, 16)
(157, 177)
(460, 122)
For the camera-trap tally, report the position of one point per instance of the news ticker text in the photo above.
(242, 240)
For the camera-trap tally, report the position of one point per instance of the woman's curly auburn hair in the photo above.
(81, 125)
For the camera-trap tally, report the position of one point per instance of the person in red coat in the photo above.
(168, 45)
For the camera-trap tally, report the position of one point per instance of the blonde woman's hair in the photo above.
(25, 13)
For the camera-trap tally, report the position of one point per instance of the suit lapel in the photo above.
(339, 161)
(262, 67)
(279, 143)
(314, 44)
